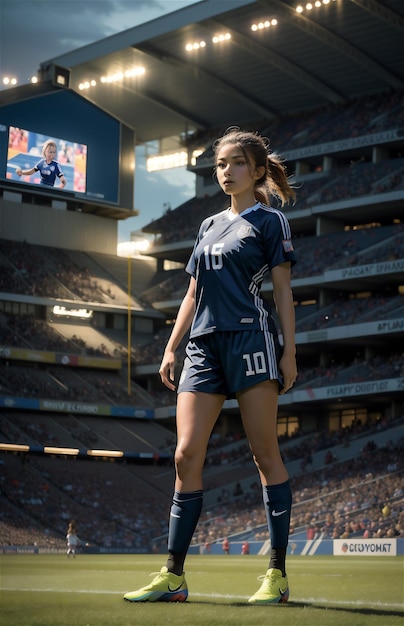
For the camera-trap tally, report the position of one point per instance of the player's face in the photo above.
(235, 175)
(50, 153)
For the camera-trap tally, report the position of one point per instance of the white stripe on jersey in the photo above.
(287, 233)
(263, 313)
(258, 278)
(255, 289)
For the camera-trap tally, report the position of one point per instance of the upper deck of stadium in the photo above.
(145, 77)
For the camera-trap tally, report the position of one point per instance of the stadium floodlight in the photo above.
(105, 453)
(196, 45)
(131, 72)
(57, 450)
(167, 161)
(133, 248)
(14, 447)
(264, 24)
(9, 81)
(221, 37)
(309, 6)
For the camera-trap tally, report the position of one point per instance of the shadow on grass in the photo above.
(304, 605)
(355, 610)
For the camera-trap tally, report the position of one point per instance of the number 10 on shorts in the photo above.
(255, 363)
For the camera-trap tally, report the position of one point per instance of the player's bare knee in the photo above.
(186, 462)
(264, 463)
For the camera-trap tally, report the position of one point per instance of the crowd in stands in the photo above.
(52, 494)
(348, 311)
(299, 446)
(51, 273)
(330, 251)
(61, 384)
(182, 223)
(344, 249)
(339, 249)
(315, 255)
(353, 179)
(170, 288)
(363, 496)
(357, 118)
(342, 311)
(356, 371)
(360, 117)
(361, 179)
(30, 332)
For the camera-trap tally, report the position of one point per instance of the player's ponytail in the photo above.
(277, 180)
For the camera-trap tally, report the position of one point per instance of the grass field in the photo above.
(51, 590)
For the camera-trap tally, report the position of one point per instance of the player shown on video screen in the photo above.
(48, 168)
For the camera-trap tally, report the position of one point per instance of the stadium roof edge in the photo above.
(143, 32)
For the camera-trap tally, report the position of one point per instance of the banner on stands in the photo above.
(365, 547)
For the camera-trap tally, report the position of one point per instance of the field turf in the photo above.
(51, 590)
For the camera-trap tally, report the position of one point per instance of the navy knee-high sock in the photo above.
(278, 504)
(184, 515)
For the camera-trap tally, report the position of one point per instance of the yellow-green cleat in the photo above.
(165, 587)
(274, 588)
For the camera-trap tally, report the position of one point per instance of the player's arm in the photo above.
(61, 176)
(21, 172)
(182, 324)
(283, 299)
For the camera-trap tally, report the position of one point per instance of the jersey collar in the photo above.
(233, 216)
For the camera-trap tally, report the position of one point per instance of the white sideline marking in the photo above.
(331, 603)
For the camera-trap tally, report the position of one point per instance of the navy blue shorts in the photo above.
(227, 362)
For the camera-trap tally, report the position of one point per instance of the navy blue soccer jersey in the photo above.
(48, 171)
(231, 257)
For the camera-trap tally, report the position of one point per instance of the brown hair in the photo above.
(274, 181)
(72, 527)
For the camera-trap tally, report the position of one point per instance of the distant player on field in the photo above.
(72, 539)
(233, 350)
(48, 168)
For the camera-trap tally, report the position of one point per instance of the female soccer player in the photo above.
(233, 349)
(72, 539)
(48, 168)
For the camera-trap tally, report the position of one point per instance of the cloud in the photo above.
(35, 31)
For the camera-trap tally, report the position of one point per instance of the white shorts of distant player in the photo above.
(72, 543)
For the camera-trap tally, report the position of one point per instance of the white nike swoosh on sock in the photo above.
(277, 513)
(174, 515)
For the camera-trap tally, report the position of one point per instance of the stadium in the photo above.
(85, 420)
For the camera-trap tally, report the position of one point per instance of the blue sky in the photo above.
(64, 25)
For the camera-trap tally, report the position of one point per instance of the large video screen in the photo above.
(38, 159)
(93, 150)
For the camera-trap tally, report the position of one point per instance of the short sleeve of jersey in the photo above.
(277, 238)
(59, 171)
(38, 165)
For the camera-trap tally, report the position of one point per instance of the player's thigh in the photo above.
(259, 408)
(197, 413)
